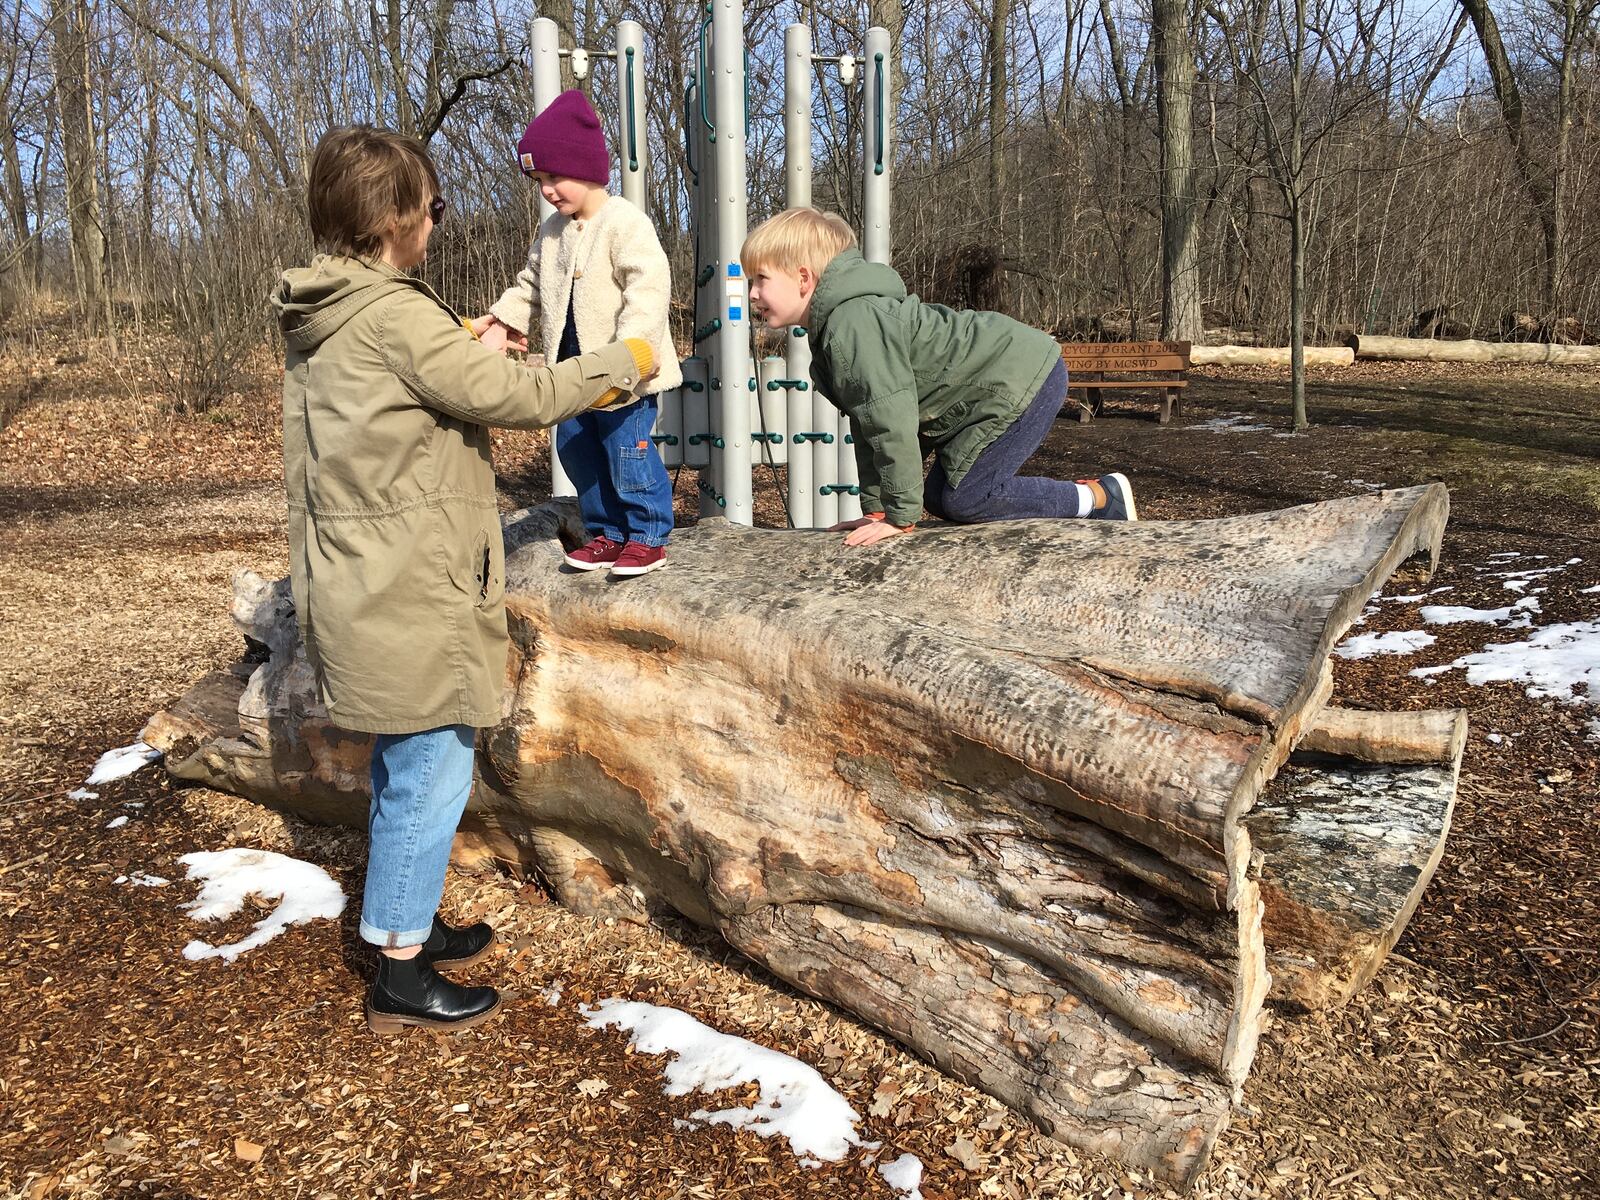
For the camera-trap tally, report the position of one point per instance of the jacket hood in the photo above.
(847, 277)
(314, 302)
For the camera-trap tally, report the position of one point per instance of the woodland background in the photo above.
(1222, 170)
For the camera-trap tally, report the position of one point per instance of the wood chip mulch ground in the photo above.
(1469, 1069)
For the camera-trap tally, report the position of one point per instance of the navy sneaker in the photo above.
(1113, 498)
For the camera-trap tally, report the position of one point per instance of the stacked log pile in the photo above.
(1019, 795)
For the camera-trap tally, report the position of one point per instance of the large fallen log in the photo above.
(1269, 356)
(1371, 346)
(986, 786)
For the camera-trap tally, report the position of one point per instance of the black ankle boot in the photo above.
(408, 991)
(448, 946)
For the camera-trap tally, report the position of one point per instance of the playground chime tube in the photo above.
(730, 415)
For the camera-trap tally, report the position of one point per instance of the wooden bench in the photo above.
(1093, 367)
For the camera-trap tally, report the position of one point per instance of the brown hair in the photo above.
(795, 238)
(362, 180)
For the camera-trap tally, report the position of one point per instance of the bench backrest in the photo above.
(1125, 357)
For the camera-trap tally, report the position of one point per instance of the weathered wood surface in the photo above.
(1269, 356)
(1348, 849)
(1469, 350)
(1427, 736)
(982, 786)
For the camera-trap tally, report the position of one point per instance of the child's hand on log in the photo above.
(869, 531)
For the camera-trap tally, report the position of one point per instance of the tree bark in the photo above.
(999, 810)
(1536, 173)
(69, 45)
(999, 21)
(1180, 250)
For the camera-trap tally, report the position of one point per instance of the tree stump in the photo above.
(988, 787)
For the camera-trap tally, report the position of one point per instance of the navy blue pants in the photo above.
(991, 490)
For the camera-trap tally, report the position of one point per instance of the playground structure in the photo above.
(732, 414)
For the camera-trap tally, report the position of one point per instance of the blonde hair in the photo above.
(795, 238)
(363, 180)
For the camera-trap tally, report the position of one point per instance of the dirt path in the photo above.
(1469, 1071)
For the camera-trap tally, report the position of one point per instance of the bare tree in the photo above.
(1180, 252)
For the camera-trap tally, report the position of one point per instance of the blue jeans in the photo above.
(623, 488)
(991, 490)
(420, 785)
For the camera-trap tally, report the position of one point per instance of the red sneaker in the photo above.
(601, 552)
(638, 559)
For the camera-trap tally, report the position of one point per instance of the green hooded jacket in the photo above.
(395, 554)
(915, 377)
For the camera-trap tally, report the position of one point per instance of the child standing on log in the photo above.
(596, 272)
(977, 388)
(396, 559)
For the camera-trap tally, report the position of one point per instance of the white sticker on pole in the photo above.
(734, 286)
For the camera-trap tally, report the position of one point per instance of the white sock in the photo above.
(1085, 500)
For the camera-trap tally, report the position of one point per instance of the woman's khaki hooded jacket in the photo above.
(396, 559)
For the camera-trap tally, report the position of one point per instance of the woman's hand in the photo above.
(869, 532)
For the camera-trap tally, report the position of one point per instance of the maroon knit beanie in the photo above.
(565, 139)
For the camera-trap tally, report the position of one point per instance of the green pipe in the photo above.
(877, 168)
(633, 133)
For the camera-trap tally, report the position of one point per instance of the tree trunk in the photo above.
(999, 20)
(1180, 250)
(992, 802)
(1535, 172)
(69, 44)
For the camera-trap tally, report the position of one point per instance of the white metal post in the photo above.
(797, 194)
(877, 163)
(632, 143)
(544, 66)
(732, 365)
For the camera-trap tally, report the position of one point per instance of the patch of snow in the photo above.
(904, 1175)
(1518, 580)
(116, 822)
(1514, 616)
(307, 893)
(1368, 645)
(1493, 737)
(1505, 554)
(796, 1102)
(552, 994)
(1558, 662)
(140, 879)
(1590, 591)
(82, 794)
(1418, 596)
(1594, 730)
(120, 763)
(1230, 423)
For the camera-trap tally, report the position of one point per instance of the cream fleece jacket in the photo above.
(615, 271)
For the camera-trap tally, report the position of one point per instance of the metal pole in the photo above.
(733, 336)
(631, 140)
(877, 161)
(797, 194)
(544, 65)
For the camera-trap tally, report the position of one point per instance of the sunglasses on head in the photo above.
(436, 208)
